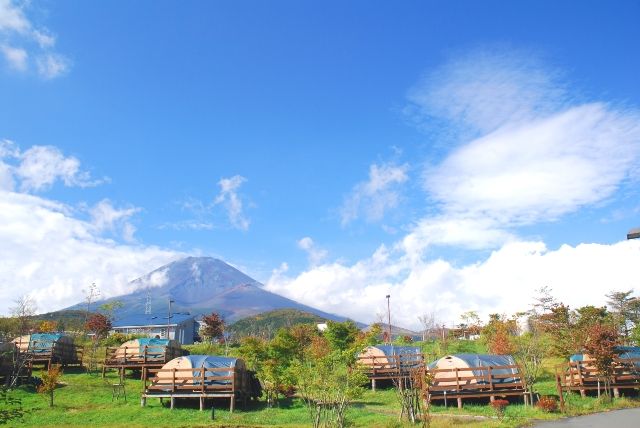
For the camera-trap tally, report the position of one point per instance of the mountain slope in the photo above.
(201, 285)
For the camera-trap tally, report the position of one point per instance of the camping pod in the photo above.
(147, 349)
(629, 354)
(389, 356)
(56, 345)
(473, 369)
(213, 371)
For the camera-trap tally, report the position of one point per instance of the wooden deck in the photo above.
(47, 353)
(476, 382)
(139, 357)
(583, 376)
(390, 367)
(194, 383)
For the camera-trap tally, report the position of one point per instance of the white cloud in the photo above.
(16, 57)
(52, 255)
(230, 199)
(503, 283)
(372, 198)
(21, 39)
(535, 154)
(104, 216)
(51, 65)
(39, 167)
(314, 253)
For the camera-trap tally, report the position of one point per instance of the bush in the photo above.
(499, 406)
(547, 403)
(117, 339)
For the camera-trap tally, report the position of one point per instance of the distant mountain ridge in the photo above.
(201, 285)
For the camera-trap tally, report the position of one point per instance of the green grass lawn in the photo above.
(86, 400)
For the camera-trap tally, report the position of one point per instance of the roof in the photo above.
(634, 233)
(390, 350)
(150, 320)
(624, 352)
(486, 360)
(211, 361)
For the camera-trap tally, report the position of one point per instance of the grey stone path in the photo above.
(615, 419)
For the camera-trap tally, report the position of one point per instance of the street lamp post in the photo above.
(389, 317)
(169, 320)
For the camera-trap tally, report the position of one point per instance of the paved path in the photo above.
(615, 419)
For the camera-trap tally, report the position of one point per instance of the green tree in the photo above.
(625, 309)
(341, 335)
(50, 381)
(600, 345)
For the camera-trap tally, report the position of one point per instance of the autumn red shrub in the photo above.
(547, 403)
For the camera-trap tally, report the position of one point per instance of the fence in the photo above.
(390, 366)
(138, 357)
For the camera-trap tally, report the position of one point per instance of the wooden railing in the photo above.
(476, 382)
(392, 366)
(140, 355)
(52, 352)
(190, 383)
(583, 376)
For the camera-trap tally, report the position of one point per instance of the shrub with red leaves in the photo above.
(548, 404)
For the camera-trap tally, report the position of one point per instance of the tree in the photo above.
(50, 381)
(625, 310)
(559, 324)
(213, 327)
(24, 309)
(341, 335)
(429, 324)
(47, 326)
(111, 307)
(99, 325)
(498, 334)
(600, 345)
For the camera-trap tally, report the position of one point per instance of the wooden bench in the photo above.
(476, 382)
(197, 383)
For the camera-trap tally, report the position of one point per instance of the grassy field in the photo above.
(83, 399)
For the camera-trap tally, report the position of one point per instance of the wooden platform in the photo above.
(137, 357)
(47, 353)
(476, 382)
(583, 376)
(194, 383)
(390, 367)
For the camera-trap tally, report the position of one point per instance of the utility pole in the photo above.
(389, 316)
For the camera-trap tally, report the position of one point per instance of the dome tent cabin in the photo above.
(383, 362)
(202, 377)
(475, 376)
(581, 374)
(48, 348)
(142, 352)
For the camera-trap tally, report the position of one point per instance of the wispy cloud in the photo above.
(375, 196)
(315, 254)
(230, 199)
(40, 167)
(106, 217)
(535, 154)
(26, 45)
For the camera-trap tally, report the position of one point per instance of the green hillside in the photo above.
(267, 323)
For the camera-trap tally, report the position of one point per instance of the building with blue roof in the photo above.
(181, 327)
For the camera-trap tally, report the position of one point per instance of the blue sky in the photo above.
(332, 151)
